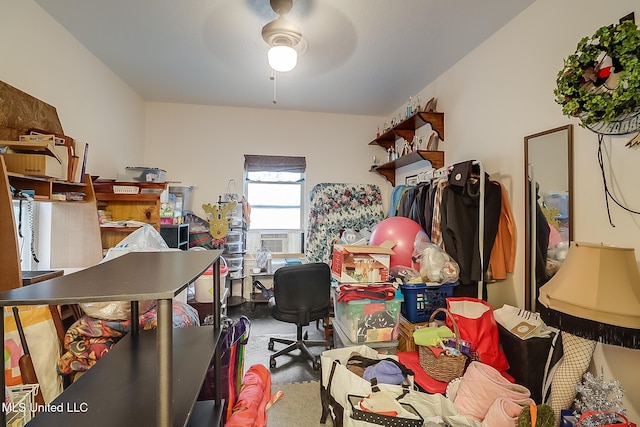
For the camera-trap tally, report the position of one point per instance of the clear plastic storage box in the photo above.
(143, 174)
(368, 320)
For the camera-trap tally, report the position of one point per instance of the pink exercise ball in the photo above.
(401, 230)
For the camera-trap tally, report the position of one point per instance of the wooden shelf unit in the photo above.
(144, 207)
(388, 170)
(407, 130)
(74, 234)
(45, 187)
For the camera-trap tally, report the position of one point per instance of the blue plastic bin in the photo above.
(420, 300)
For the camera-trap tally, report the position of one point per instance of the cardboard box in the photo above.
(62, 152)
(34, 165)
(32, 147)
(41, 165)
(361, 263)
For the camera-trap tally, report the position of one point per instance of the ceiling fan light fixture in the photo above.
(282, 36)
(282, 58)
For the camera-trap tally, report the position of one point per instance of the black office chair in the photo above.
(302, 295)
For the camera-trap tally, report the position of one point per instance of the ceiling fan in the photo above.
(282, 35)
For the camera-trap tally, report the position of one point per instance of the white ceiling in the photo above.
(362, 56)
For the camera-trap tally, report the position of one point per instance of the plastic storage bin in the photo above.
(143, 174)
(341, 339)
(234, 236)
(233, 247)
(368, 320)
(204, 284)
(185, 193)
(421, 300)
(234, 262)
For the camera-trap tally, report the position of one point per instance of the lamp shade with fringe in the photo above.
(596, 295)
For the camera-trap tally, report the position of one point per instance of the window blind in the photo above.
(254, 163)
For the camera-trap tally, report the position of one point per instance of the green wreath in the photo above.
(589, 89)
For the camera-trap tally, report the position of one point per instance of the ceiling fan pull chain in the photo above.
(273, 77)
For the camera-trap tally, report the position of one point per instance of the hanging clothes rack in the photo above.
(444, 172)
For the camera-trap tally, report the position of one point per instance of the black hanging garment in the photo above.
(459, 223)
(542, 243)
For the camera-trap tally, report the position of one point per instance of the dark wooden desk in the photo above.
(150, 378)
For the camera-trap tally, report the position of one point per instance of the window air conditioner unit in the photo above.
(277, 243)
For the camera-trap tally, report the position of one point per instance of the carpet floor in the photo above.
(299, 406)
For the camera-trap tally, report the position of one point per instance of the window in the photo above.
(274, 186)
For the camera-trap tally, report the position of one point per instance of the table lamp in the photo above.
(594, 297)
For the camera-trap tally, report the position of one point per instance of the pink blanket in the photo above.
(481, 386)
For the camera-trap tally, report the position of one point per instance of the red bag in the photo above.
(622, 420)
(478, 326)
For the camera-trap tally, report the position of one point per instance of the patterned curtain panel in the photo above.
(336, 207)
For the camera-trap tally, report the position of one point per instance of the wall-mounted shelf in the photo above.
(407, 130)
(388, 170)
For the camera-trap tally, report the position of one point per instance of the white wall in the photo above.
(205, 145)
(502, 92)
(492, 98)
(41, 58)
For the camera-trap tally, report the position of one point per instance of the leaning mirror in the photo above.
(548, 160)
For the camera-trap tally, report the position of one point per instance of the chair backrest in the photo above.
(305, 287)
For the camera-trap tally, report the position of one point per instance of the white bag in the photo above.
(345, 382)
(338, 382)
(144, 239)
(336, 388)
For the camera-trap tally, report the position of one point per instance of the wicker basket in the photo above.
(444, 367)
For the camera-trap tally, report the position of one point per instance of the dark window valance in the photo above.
(274, 163)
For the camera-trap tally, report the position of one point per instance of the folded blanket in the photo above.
(383, 292)
(504, 412)
(88, 339)
(481, 386)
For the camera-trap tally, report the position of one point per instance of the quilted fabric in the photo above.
(336, 207)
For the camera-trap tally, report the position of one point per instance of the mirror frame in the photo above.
(530, 290)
